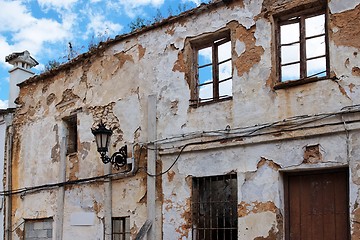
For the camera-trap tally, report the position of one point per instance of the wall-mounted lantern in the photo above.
(102, 138)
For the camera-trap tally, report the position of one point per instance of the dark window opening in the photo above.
(213, 65)
(121, 228)
(214, 208)
(302, 45)
(71, 125)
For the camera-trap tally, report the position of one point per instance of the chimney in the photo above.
(22, 63)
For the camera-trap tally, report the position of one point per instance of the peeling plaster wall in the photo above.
(113, 84)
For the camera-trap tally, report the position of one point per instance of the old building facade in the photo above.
(242, 118)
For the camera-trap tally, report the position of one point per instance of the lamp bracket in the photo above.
(118, 159)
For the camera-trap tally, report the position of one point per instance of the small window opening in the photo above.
(214, 207)
(43, 228)
(302, 49)
(71, 125)
(213, 70)
(121, 228)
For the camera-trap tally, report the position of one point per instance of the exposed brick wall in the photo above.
(38, 229)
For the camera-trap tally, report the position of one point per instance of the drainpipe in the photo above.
(8, 199)
(61, 192)
(108, 204)
(151, 168)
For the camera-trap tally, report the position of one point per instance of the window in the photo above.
(214, 207)
(213, 68)
(121, 228)
(302, 45)
(71, 125)
(38, 229)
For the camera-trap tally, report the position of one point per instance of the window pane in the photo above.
(315, 47)
(315, 25)
(225, 70)
(205, 74)
(290, 54)
(289, 33)
(225, 88)
(316, 67)
(224, 51)
(204, 56)
(290, 72)
(206, 91)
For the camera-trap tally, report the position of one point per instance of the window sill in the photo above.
(293, 83)
(199, 104)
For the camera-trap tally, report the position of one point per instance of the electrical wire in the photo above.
(290, 124)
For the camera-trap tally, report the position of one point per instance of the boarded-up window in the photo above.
(302, 44)
(214, 207)
(121, 228)
(71, 126)
(38, 229)
(213, 68)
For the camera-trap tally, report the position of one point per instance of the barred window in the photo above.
(214, 207)
(121, 228)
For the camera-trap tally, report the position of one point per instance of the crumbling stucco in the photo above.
(112, 86)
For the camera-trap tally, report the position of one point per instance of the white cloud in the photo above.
(56, 4)
(98, 25)
(197, 2)
(14, 16)
(3, 104)
(133, 8)
(25, 32)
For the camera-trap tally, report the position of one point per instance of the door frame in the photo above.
(303, 172)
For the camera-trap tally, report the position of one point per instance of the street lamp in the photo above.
(102, 138)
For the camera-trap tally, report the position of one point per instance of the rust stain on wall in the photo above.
(351, 87)
(180, 63)
(184, 229)
(55, 151)
(171, 175)
(159, 187)
(68, 97)
(347, 24)
(312, 154)
(170, 30)
(74, 167)
(105, 115)
(272, 235)
(252, 54)
(355, 71)
(123, 57)
(245, 208)
(270, 163)
(142, 51)
(50, 99)
(20, 233)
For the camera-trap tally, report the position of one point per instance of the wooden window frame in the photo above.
(213, 40)
(71, 135)
(123, 235)
(299, 16)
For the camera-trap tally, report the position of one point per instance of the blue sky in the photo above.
(45, 27)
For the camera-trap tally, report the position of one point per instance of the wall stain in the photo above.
(347, 23)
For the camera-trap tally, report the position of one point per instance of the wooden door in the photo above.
(317, 205)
